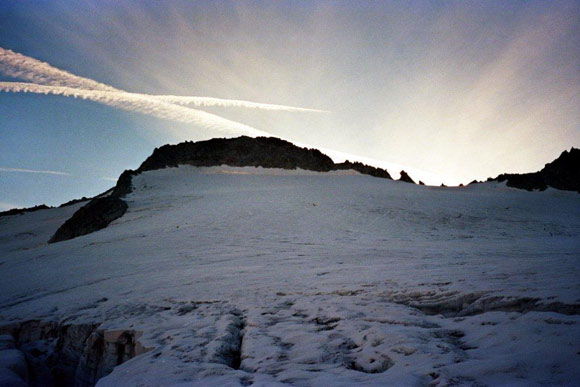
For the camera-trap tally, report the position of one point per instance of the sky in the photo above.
(449, 91)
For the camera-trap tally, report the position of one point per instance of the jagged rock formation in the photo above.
(269, 152)
(364, 169)
(406, 178)
(266, 152)
(95, 215)
(98, 213)
(74, 201)
(562, 173)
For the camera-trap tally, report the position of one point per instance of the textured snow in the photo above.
(247, 275)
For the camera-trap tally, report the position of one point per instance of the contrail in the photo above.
(140, 103)
(4, 169)
(210, 101)
(29, 69)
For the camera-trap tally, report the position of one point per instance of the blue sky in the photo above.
(451, 91)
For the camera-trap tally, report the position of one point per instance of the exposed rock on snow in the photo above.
(264, 152)
(364, 169)
(406, 178)
(96, 215)
(270, 152)
(562, 173)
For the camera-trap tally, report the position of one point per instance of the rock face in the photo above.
(266, 152)
(98, 213)
(406, 178)
(95, 215)
(562, 173)
(364, 169)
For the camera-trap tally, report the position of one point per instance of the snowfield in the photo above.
(239, 276)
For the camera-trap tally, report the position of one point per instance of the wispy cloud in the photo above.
(210, 101)
(51, 80)
(140, 103)
(41, 73)
(21, 170)
(26, 68)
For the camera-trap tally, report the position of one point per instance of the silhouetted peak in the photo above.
(406, 178)
(266, 152)
(562, 173)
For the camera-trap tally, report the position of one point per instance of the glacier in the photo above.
(256, 276)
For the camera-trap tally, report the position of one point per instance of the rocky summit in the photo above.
(562, 173)
(265, 152)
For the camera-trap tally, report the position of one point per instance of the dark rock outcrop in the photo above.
(406, 178)
(364, 169)
(98, 213)
(95, 215)
(562, 173)
(266, 152)
(74, 201)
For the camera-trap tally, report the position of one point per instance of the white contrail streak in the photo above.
(4, 169)
(210, 101)
(29, 69)
(140, 103)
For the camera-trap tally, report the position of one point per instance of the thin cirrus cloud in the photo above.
(22, 170)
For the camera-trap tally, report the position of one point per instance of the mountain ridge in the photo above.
(270, 152)
(563, 173)
(243, 151)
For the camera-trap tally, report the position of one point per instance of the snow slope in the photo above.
(242, 275)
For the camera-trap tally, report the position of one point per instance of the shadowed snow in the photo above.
(244, 275)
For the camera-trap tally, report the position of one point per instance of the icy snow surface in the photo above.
(243, 275)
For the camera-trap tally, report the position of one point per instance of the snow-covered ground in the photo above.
(242, 275)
